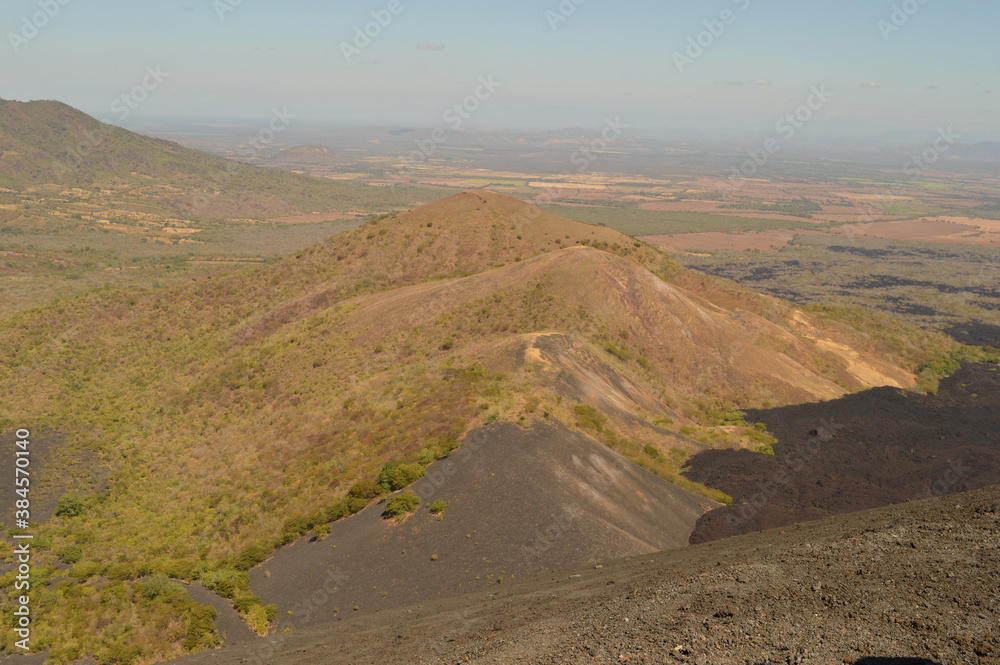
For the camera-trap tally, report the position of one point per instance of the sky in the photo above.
(852, 68)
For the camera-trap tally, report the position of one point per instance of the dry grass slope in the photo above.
(236, 414)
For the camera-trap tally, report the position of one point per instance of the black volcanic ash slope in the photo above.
(869, 449)
(520, 502)
(917, 581)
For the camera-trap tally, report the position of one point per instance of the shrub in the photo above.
(653, 452)
(618, 351)
(295, 527)
(243, 604)
(86, 569)
(589, 417)
(121, 571)
(71, 554)
(355, 506)
(396, 475)
(437, 448)
(402, 504)
(257, 619)
(201, 627)
(438, 506)
(270, 611)
(119, 653)
(156, 586)
(365, 489)
(336, 511)
(69, 506)
(250, 557)
(226, 581)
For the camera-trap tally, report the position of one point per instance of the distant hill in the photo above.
(236, 415)
(984, 151)
(319, 154)
(51, 143)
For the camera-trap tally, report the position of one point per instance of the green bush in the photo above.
(71, 554)
(69, 506)
(589, 417)
(156, 586)
(402, 504)
(365, 489)
(438, 506)
(270, 611)
(244, 603)
(226, 581)
(344, 508)
(295, 527)
(257, 619)
(201, 628)
(654, 452)
(250, 557)
(396, 475)
(86, 569)
(119, 653)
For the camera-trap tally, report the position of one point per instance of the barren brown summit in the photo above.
(471, 232)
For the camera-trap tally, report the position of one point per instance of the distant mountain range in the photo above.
(48, 142)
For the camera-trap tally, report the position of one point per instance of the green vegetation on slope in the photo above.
(237, 414)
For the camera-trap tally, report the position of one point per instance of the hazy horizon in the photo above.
(885, 70)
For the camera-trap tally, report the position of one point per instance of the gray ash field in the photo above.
(520, 503)
(919, 580)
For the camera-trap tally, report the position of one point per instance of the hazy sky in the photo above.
(880, 65)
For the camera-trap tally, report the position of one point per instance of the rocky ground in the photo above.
(918, 581)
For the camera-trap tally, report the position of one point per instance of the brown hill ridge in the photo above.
(705, 348)
(474, 232)
(237, 413)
